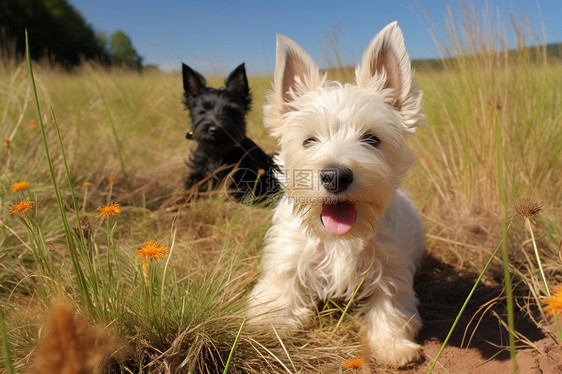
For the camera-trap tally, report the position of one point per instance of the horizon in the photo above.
(215, 37)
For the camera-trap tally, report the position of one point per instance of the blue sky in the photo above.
(214, 37)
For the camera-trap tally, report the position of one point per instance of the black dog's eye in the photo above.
(370, 139)
(232, 111)
(309, 142)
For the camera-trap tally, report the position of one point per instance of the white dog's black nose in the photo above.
(336, 179)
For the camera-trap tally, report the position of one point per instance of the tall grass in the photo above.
(181, 310)
(486, 87)
(498, 138)
(116, 135)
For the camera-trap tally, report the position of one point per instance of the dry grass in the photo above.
(109, 116)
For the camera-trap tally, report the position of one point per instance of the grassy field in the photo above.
(494, 136)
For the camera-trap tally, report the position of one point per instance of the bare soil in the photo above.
(480, 340)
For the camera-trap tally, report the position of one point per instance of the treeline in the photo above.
(552, 52)
(58, 32)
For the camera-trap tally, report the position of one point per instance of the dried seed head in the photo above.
(86, 227)
(70, 345)
(526, 207)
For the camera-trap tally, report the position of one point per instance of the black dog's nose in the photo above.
(336, 179)
(212, 129)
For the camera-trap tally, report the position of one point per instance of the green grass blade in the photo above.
(350, 302)
(5, 345)
(284, 348)
(70, 188)
(464, 307)
(80, 249)
(505, 243)
(78, 270)
(173, 233)
(233, 347)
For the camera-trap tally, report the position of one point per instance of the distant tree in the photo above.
(75, 39)
(122, 50)
(103, 41)
(59, 32)
(15, 16)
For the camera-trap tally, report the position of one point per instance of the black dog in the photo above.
(223, 150)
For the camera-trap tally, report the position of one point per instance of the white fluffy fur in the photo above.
(303, 263)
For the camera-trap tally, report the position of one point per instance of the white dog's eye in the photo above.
(308, 142)
(370, 139)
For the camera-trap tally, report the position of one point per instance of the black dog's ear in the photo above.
(193, 82)
(237, 83)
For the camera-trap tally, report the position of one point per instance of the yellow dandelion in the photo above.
(109, 210)
(553, 304)
(5, 142)
(87, 184)
(355, 363)
(151, 251)
(19, 186)
(22, 207)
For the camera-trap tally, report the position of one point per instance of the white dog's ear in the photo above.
(295, 72)
(386, 64)
(387, 58)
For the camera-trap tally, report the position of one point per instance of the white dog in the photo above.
(343, 226)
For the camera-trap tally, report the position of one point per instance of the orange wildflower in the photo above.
(19, 186)
(355, 363)
(112, 179)
(109, 210)
(553, 304)
(151, 251)
(33, 126)
(22, 207)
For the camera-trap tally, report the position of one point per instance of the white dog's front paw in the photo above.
(398, 353)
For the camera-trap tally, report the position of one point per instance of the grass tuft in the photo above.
(494, 137)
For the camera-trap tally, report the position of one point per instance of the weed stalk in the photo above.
(505, 244)
(72, 249)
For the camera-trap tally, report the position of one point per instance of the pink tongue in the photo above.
(339, 217)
